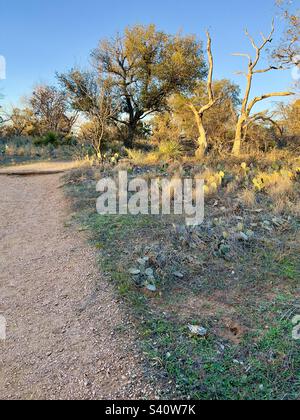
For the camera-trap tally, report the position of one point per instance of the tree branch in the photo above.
(266, 96)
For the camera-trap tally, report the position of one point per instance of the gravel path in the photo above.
(66, 334)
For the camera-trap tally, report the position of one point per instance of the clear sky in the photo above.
(40, 37)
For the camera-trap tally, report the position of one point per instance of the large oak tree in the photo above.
(144, 68)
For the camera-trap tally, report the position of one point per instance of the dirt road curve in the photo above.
(66, 335)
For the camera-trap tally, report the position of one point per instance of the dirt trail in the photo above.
(66, 334)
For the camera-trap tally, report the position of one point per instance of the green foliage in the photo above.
(54, 140)
(170, 149)
(49, 138)
(140, 70)
(167, 151)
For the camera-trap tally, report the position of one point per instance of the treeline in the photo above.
(148, 87)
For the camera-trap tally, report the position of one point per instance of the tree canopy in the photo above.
(141, 69)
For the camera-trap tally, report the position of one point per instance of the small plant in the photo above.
(137, 156)
(170, 149)
(275, 183)
(213, 180)
(247, 197)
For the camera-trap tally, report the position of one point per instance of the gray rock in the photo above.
(197, 330)
(178, 275)
(250, 233)
(151, 287)
(242, 237)
(134, 271)
(149, 272)
(143, 261)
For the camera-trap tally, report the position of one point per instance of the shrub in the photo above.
(170, 149)
(50, 138)
(276, 183)
(213, 180)
(247, 197)
(167, 151)
(137, 156)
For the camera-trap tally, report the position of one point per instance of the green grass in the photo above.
(201, 369)
(289, 268)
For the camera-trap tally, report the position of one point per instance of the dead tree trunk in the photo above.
(247, 107)
(199, 113)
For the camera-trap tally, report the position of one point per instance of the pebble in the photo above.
(134, 271)
(149, 272)
(200, 331)
(151, 287)
(242, 237)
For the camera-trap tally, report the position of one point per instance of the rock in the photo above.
(250, 233)
(277, 221)
(178, 275)
(242, 237)
(143, 261)
(134, 271)
(197, 330)
(149, 272)
(267, 226)
(151, 287)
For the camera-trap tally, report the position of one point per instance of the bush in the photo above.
(167, 151)
(170, 149)
(49, 139)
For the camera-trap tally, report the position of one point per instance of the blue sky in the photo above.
(40, 37)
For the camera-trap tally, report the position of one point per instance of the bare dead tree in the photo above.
(103, 114)
(50, 106)
(288, 50)
(91, 94)
(266, 118)
(4, 117)
(247, 105)
(200, 112)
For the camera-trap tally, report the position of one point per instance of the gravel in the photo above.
(67, 333)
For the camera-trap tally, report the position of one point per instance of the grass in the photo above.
(246, 301)
(43, 166)
(204, 369)
(14, 151)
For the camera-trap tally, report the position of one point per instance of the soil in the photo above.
(68, 336)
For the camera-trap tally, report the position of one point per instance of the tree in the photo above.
(165, 127)
(2, 116)
(51, 108)
(146, 67)
(247, 104)
(20, 122)
(290, 117)
(199, 112)
(217, 121)
(287, 53)
(91, 95)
